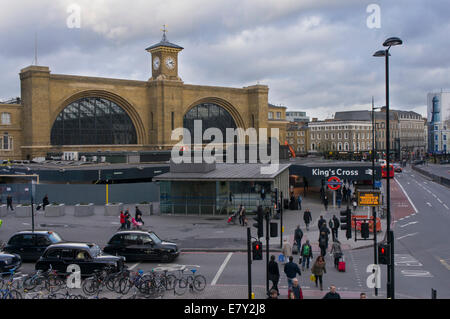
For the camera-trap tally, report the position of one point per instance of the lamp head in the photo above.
(392, 41)
(381, 53)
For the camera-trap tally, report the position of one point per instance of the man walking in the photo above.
(45, 201)
(9, 202)
(325, 202)
(299, 199)
(321, 222)
(307, 218)
(291, 270)
(323, 244)
(296, 290)
(298, 235)
(274, 273)
(334, 225)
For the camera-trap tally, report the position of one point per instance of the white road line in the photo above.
(404, 192)
(429, 204)
(446, 206)
(221, 269)
(411, 223)
(439, 201)
(409, 235)
(134, 266)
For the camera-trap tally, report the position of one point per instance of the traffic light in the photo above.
(273, 229)
(383, 254)
(365, 230)
(259, 224)
(257, 250)
(346, 222)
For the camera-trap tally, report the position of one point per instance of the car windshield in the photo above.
(155, 238)
(54, 238)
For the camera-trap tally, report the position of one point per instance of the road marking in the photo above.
(416, 273)
(425, 182)
(406, 260)
(134, 266)
(439, 201)
(409, 235)
(411, 223)
(221, 269)
(443, 262)
(404, 192)
(429, 204)
(446, 206)
(26, 224)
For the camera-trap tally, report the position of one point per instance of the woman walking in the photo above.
(318, 269)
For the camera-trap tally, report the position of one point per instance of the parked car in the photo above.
(141, 245)
(445, 162)
(9, 261)
(31, 245)
(89, 257)
(419, 162)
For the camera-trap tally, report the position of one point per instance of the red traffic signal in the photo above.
(384, 254)
(257, 250)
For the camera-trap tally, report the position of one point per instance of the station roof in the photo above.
(226, 172)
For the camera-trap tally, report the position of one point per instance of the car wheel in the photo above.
(165, 258)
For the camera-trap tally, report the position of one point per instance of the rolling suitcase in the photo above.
(341, 265)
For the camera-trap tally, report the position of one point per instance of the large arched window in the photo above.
(93, 121)
(211, 115)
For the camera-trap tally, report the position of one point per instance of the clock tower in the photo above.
(164, 62)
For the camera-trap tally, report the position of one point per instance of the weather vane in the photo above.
(164, 30)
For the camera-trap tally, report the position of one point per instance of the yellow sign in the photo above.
(369, 198)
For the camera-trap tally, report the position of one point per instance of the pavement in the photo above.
(191, 233)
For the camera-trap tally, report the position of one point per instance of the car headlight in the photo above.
(6, 261)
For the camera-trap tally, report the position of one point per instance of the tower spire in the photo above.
(164, 30)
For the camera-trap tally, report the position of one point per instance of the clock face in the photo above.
(156, 63)
(170, 63)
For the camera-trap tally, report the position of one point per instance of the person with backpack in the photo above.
(336, 250)
(307, 218)
(298, 235)
(306, 254)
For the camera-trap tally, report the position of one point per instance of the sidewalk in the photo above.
(191, 233)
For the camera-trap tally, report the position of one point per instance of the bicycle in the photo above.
(126, 283)
(196, 283)
(9, 293)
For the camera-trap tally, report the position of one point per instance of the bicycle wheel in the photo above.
(180, 286)
(199, 282)
(13, 294)
(90, 286)
(110, 282)
(124, 286)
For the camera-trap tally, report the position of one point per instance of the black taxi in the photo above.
(89, 257)
(31, 245)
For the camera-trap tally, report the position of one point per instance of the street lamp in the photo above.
(390, 42)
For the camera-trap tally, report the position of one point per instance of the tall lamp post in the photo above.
(390, 42)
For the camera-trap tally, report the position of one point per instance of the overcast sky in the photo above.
(315, 55)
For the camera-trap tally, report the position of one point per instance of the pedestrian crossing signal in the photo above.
(257, 250)
(365, 230)
(383, 254)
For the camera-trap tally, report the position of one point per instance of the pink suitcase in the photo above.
(341, 266)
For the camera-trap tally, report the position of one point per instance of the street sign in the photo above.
(377, 184)
(334, 183)
(369, 198)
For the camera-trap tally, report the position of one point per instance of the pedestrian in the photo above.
(307, 218)
(241, 215)
(45, 201)
(362, 295)
(321, 222)
(323, 243)
(138, 216)
(286, 249)
(306, 254)
(291, 270)
(273, 294)
(274, 273)
(127, 219)
(339, 198)
(292, 202)
(322, 192)
(325, 202)
(9, 203)
(318, 269)
(299, 199)
(263, 193)
(336, 250)
(295, 292)
(122, 220)
(332, 294)
(305, 186)
(334, 225)
(344, 193)
(298, 235)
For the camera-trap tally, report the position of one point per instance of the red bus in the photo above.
(384, 171)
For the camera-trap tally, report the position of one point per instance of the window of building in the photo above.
(346, 136)
(278, 115)
(339, 135)
(6, 118)
(93, 121)
(339, 146)
(7, 142)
